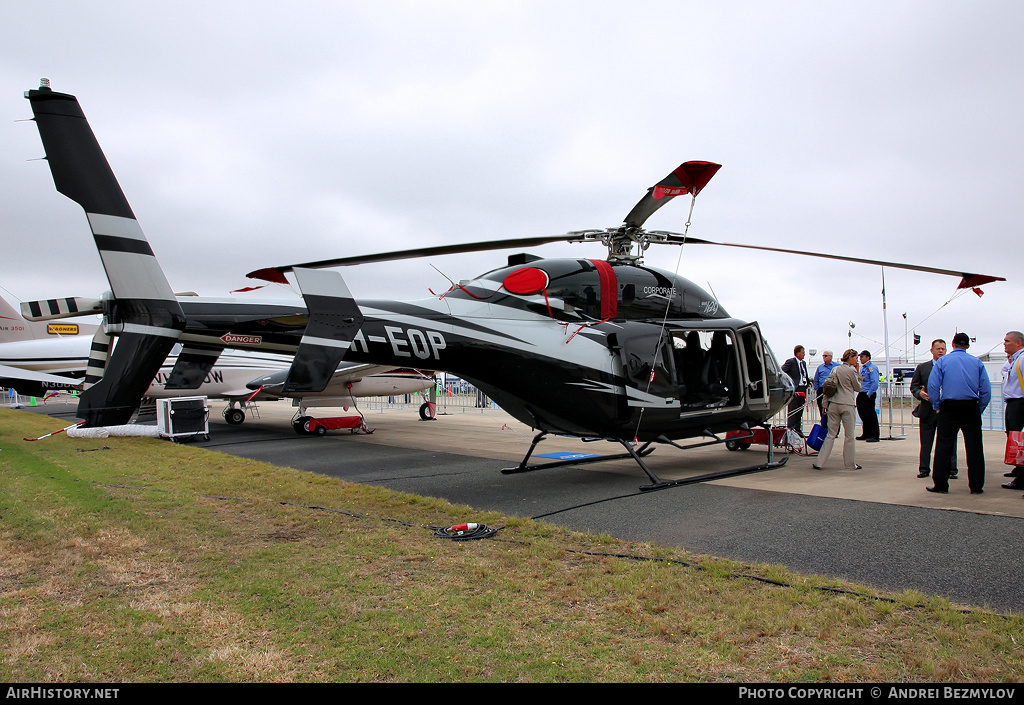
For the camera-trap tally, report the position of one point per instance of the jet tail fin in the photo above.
(13, 325)
(144, 313)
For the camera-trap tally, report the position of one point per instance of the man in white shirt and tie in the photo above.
(1013, 344)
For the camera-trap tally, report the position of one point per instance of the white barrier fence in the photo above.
(475, 401)
(902, 403)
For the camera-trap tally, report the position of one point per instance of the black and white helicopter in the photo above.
(596, 348)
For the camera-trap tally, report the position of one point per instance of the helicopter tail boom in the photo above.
(144, 311)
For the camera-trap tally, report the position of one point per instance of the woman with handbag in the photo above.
(842, 410)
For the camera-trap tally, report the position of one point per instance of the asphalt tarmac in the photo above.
(877, 526)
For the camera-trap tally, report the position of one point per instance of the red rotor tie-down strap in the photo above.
(609, 289)
(585, 325)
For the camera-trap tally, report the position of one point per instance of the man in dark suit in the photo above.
(926, 414)
(796, 368)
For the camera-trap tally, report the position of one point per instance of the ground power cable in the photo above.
(757, 578)
(463, 532)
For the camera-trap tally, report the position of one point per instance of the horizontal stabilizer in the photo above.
(334, 320)
(35, 384)
(15, 373)
(50, 309)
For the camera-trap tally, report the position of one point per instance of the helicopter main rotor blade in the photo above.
(276, 274)
(688, 177)
(967, 279)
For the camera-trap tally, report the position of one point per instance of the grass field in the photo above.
(140, 560)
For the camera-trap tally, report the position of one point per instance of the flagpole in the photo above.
(888, 366)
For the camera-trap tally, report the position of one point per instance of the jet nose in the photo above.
(275, 379)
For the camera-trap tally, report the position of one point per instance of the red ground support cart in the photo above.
(760, 437)
(320, 427)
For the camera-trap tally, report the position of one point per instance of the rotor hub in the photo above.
(626, 244)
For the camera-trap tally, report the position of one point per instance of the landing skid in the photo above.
(638, 454)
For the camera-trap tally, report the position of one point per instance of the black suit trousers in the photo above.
(959, 416)
(868, 417)
(927, 440)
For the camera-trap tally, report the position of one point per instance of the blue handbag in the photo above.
(817, 437)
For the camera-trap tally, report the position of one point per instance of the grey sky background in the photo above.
(254, 134)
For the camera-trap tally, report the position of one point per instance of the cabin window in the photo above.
(628, 294)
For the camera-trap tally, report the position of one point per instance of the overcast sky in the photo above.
(253, 134)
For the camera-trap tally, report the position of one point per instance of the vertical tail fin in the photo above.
(193, 364)
(145, 313)
(99, 355)
(334, 320)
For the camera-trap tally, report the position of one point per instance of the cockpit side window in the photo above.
(644, 354)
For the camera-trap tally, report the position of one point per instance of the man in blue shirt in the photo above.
(820, 375)
(866, 399)
(959, 389)
(927, 415)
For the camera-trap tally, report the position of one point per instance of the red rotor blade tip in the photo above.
(971, 281)
(269, 274)
(694, 176)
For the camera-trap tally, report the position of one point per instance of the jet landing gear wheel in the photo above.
(299, 425)
(427, 413)
(234, 416)
(310, 427)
